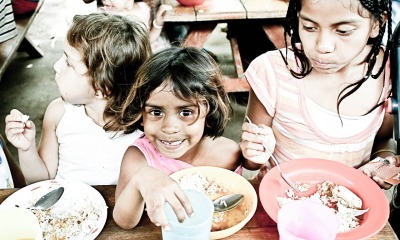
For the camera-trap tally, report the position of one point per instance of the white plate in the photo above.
(77, 200)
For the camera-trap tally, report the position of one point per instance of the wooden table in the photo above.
(240, 15)
(21, 42)
(261, 226)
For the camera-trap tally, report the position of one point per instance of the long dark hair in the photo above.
(375, 9)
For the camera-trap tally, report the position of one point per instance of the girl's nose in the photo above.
(325, 43)
(57, 65)
(170, 125)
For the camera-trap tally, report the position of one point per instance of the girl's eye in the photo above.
(344, 32)
(156, 113)
(309, 28)
(186, 113)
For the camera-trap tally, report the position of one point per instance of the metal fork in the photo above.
(379, 159)
(283, 175)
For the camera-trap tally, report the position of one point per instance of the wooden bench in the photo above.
(262, 16)
(20, 42)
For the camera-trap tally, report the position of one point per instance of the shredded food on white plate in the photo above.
(71, 219)
(346, 204)
(74, 217)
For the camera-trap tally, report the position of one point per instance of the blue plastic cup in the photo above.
(197, 227)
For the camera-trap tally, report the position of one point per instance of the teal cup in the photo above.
(197, 227)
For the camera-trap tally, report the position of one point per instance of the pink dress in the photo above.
(158, 161)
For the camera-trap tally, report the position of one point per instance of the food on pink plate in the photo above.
(346, 204)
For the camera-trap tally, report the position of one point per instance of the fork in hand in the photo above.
(283, 175)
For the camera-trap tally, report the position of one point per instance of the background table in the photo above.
(261, 226)
(254, 26)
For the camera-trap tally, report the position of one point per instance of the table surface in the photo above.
(211, 10)
(261, 226)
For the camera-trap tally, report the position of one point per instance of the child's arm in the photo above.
(158, 22)
(36, 164)
(385, 146)
(140, 184)
(16, 173)
(129, 203)
(253, 135)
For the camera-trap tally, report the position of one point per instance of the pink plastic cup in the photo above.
(305, 219)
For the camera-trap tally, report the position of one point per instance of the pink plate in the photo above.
(313, 171)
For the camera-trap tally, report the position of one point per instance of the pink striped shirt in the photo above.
(294, 125)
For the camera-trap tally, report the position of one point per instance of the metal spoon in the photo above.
(227, 202)
(49, 199)
(283, 175)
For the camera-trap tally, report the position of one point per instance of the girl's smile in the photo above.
(170, 143)
(169, 146)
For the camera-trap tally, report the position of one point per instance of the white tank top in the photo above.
(86, 152)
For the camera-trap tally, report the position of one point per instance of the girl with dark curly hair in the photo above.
(323, 95)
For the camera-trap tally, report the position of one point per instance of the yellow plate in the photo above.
(234, 183)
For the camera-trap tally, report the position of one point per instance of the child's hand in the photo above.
(19, 130)
(394, 161)
(157, 188)
(252, 140)
(379, 181)
(159, 20)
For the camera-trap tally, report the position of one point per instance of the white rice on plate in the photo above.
(346, 204)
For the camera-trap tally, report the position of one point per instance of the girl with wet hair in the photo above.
(322, 95)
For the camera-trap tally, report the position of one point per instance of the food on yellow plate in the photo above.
(346, 204)
(214, 190)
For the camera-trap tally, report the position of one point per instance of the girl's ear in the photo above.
(375, 26)
(99, 94)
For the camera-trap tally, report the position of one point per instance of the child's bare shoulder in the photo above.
(134, 155)
(132, 161)
(54, 112)
(226, 143)
(225, 151)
